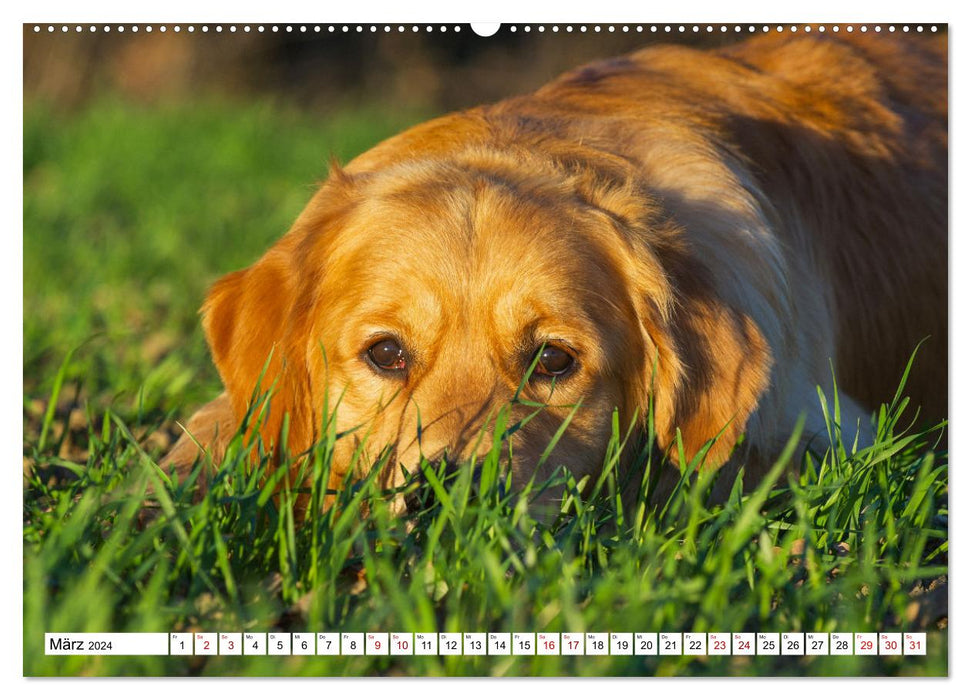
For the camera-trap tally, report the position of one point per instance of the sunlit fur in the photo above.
(711, 230)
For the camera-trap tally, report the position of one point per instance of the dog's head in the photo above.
(413, 295)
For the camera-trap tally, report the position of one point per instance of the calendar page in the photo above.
(517, 349)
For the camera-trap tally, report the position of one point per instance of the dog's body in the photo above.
(710, 233)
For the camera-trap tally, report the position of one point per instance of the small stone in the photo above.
(159, 441)
(78, 420)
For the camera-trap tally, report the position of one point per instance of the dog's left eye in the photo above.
(554, 361)
(387, 354)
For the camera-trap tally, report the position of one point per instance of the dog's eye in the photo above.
(554, 361)
(387, 354)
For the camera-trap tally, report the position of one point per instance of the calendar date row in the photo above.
(490, 644)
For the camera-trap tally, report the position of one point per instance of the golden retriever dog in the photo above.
(707, 235)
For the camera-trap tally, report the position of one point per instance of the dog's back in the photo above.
(863, 159)
(842, 142)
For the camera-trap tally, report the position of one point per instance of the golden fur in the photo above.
(713, 230)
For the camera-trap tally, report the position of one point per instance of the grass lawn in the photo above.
(130, 213)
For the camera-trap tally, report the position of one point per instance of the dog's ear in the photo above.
(258, 320)
(710, 366)
(251, 325)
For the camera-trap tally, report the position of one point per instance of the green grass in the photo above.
(130, 214)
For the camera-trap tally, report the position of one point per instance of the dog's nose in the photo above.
(451, 466)
(446, 461)
(415, 501)
(418, 498)
(447, 468)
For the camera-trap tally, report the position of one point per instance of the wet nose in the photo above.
(419, 498)
(447, 468)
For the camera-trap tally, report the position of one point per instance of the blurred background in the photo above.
(156, 162)
(434, 67)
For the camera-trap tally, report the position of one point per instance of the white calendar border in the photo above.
(602, 11)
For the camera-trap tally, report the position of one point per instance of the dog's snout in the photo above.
(447, 462)
(417, 498)
(446, 468)
(414, 500)
(451, 466)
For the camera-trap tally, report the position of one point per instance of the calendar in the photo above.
(488, 644)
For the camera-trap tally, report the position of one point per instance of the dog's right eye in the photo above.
(387, 355)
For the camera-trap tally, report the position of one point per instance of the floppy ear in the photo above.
(252, 328)
(712, 367)
(257, 321)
